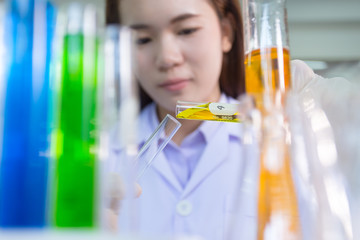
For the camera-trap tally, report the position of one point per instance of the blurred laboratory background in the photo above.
(324, 33)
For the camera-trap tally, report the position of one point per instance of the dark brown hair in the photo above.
(232, 77)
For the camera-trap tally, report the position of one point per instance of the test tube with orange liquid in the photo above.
(267, 55)
(267, 77)
(268, 84)
(277, 203)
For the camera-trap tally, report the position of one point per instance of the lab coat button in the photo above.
(184, 208)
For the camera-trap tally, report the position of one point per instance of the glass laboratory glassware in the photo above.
(155, 144)
(277, 202)
(119, 113)
(25, 146)
(348, 143)
(267, 176)
(267, 78)
(2, 63)
(337, 103)
(267, 57)
(316, 156)
(119, 122)
(119, 128)
(76, 165)
(223, 112)
(241, 221)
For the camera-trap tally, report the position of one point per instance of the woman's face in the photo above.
(179, 49)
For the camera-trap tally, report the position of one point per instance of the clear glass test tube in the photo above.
(119, 119)
(317, 157)
(156, 143)
(211, 111)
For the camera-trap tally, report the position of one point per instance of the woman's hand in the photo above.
(339, 99)
(116, 191)
(303, 78)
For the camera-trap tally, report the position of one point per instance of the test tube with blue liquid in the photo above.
(24, 150)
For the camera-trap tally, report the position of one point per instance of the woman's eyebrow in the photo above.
(183, 17)
(139, 26)
(142, 26)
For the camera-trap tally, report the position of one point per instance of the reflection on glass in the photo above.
(316, 156)
(334, 211)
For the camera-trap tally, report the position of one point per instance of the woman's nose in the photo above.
(169, 54)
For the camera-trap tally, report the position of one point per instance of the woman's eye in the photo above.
(142, 41)
(188, 31)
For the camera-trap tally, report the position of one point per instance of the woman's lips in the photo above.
(174, 85)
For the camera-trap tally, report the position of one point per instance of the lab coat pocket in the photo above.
(240, 218)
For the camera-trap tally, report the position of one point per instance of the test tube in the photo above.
(24, 155)
(76, 166)
(320, 168)
(16, 115)
(155, 144)
(267, 54)
(2, 62)
(267, 72)
(119, 116)
(211, 111)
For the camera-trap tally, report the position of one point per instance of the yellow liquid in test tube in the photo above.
(223, 112)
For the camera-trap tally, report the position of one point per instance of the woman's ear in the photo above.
(227, 34)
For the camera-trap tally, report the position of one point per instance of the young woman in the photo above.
(192, 50)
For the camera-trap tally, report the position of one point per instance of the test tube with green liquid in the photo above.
(76, 166)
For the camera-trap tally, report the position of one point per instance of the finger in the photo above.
(138, 190)
(115, 205)
(116, 188)
(111, 220)
(301, 75)
(115, 201)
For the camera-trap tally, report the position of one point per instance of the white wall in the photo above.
(324, 29)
